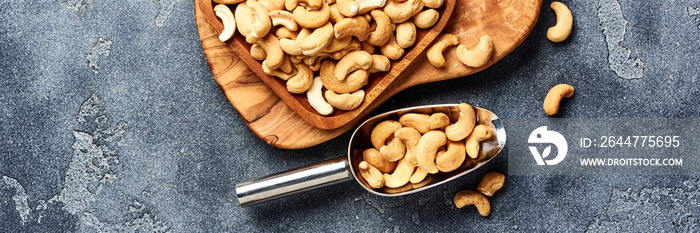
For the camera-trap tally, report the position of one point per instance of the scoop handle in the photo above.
(293, 181)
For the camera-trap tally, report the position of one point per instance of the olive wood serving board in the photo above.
(507, 22)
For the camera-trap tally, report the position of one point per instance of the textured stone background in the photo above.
(110, 120)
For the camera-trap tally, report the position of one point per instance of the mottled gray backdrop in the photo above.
(110, 120)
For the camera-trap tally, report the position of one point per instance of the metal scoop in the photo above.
(342, 169)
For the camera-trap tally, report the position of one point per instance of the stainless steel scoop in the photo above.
(343, 169)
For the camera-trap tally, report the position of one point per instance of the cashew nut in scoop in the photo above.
(427, 149)
(226, 16)
(252, 20)
(433, 3)
(311, 5)
(401, 175)
(470, 197)
(565, 21)
(315, 96)
(353, 82)
(374, 157)
(302, 81)
(399, 12)
(391, 49)
(452, 158)
(481, 133)
(410, 138)
(380, 63)
(371, 174)
(426, 18)
(351, 62)
(393, 150)
(284, 18)
(346, 101)
(490, 183)
(434, 52)
(406, 34)
(478, 56)
(228, 1)
(554, 96)
(438, 121)
(382, 33)
(418, 176)
(355, 26)
(464, 125)
(275, 55)
(382, 131)
(311, 19)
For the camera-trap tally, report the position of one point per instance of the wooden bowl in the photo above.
(378, 82)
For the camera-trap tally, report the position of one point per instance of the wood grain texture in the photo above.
(508, 22)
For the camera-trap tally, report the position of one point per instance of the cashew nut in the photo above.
(478, 56)
(272, 5)
(399, 12)
(401, 189)
(228, 1)
(374, 157)
(352, 82)
(277, 73)
(380, 63)
(452, 158)
(391, 49)
(438, 121)
(427, 149)
(427, 180)
(257, 52)
(419, 175)
(226, 16)
(311, 19)
(337, 44)
(318, 40)
(382, 131)
(401, 175)
(393, 150)
(433, 3)
(565, 21)
(302, 81)
(346, 101)
(284, 18)
(490, 183)
(335, 16)
(252, 20)
(382, 32)
(406, 34)
(464, 125)
(284, 33)
(351, 62)
(294, 58)
(353, 46)
(275, 55)
(315, 96)
(416, 120)
(441, 43)
(426, 18)
(286, 65)
(371, 174)
(355, 26)
(311, 5)
(470, 197)
(553, 99)
(481, 133)
(411, 138)
(368, 5)
(349, 8)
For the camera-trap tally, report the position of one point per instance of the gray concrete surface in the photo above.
(110, 121)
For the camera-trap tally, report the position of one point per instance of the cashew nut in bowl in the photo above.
(275, 55)
(399, 12)
(426, 18)
(353, 46)
(277, 73)
(470, 197)
(382, 33)
(302, 81)
(368, 5)
(353, 82)
(315, 96)
(228, 1)
(257, 52)
(434, 52)
(311, 19)
(406, 34)
(554, 96)
(283, 18)
(311, 5)
(337, 44)
(380, 63)
(565, 22)
(374, 157)
(490, 183)
(272, 5)
(382, 132)
(371, 174)
(252, 20)
(318, 40)
(401, 175)
(226, 16)
(393, 150)
(351, 62)
(348, 8)
(417, 121)
(452, 158)
(464, 125)
(478, 56)
(481, 133)
(433, 3)
(391, 49)
(356, 26)
(346, 101)
(335, 15)
(411, 138)
(427, 149)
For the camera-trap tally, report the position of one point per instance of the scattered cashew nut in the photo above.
(346, 101)
(553, 99)
(441, 43)
(427, 149)
(470, 197)
(490, 183)
(464, 125)
(478, 56)
(226, 16)
(565, 21)
(315, 96)
(481, 133)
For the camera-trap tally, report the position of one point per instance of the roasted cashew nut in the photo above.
(417, 121)
(382, 33)
(348, 8)
(410, 138)
(311, 19)
(371, 174)
(399, 12)
(337, 44)
(554, 96)
(470, 197)
(478, 56)
(481, 133)
(351, 62)
(452, 158)
(317, 41)
(284, 33)
(284, 18)
(401, 175)
(353, 46)
(272, 5)
(355, 26)
(368, 5)
(418, 176)
(464, 125)
(257, 52)
(426, 18)
(438, 121)
(353, 82)
(391, 49)
(441, 43)
(252, 20)
(275, 55)
(428, 179)
(406, 34)
(393, 150)
(335, 15)
(346, 101)
(427, 149)
(226, 16)
(380, 63)
(228, 1)
(565, 22)
(311, 5)
(433, 3)
(374, 157)
(291, 46)
(302, 81)
(490, 183)
(382, 131)
(277, 73)
(315, 96)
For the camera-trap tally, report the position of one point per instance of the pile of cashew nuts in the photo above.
(411, 152)
(331, 44)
